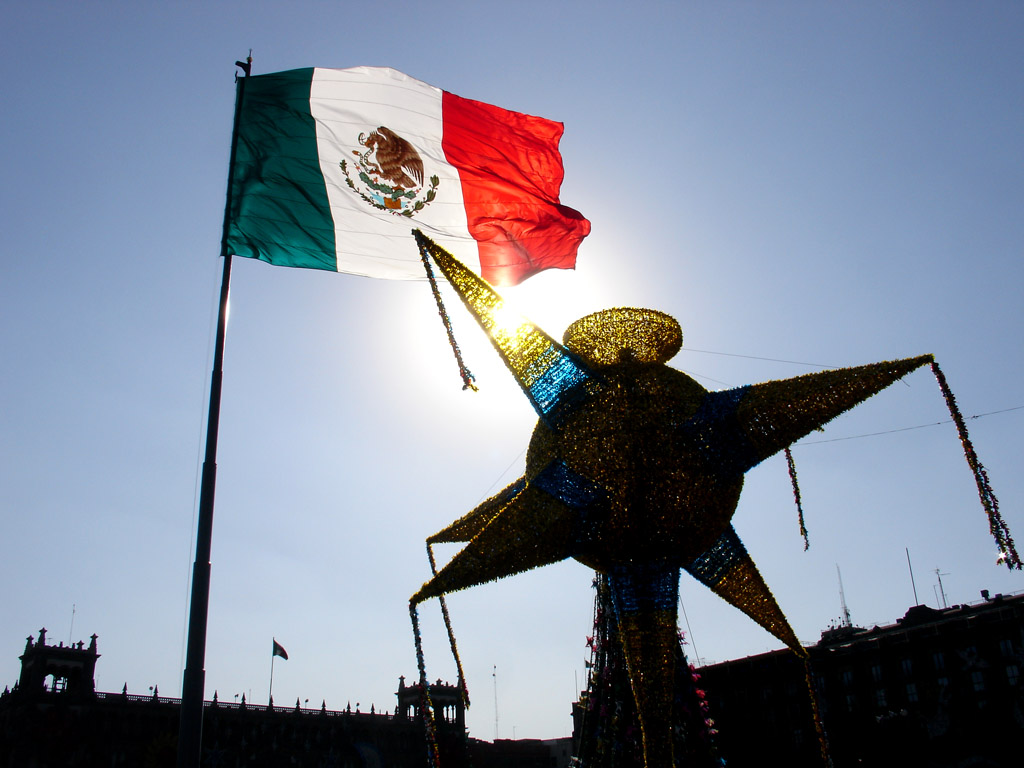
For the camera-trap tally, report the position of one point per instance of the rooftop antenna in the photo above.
(941, 590)
(494, 674)
(916, 601)
(842, 599)
(71, 632)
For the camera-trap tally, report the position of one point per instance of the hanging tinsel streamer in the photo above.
(426, 708)
(1000, 530)
(819, 726)
(451, 633)
(425, 249)
(796, 497)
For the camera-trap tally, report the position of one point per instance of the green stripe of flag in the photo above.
(280, 212)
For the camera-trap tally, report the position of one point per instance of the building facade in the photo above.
(937, 688)
(54, 718)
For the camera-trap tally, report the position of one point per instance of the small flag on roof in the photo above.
(279, 651)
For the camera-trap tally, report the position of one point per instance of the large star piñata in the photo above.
(635, 470)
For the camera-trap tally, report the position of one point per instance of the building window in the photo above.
(851, 702)
(911, 693)
(1012, 675)
(1006, 647)
(943, 682)
(939, 660)
(978, 681)
(55, 683)
(880, 698)
(847, 677)
(908, 667)
(876, 672)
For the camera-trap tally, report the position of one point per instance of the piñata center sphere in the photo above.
(627, 443)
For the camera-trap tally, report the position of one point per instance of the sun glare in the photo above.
(507, 320)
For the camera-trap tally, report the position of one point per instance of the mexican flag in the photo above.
(333, 169)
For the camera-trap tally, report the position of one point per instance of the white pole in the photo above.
(494, 674)
(271, 696)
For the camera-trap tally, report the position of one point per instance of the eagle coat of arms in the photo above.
(388, 174)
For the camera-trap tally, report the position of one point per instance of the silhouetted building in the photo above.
(68, 670)
(521, 753)
(445, 700)
(54, 717)
(937, 688)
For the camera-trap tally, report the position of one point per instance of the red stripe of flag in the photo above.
(511, 174)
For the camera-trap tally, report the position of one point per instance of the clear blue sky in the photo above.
(830, 184)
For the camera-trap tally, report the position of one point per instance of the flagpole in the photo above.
(270, 698)
(190, 728)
